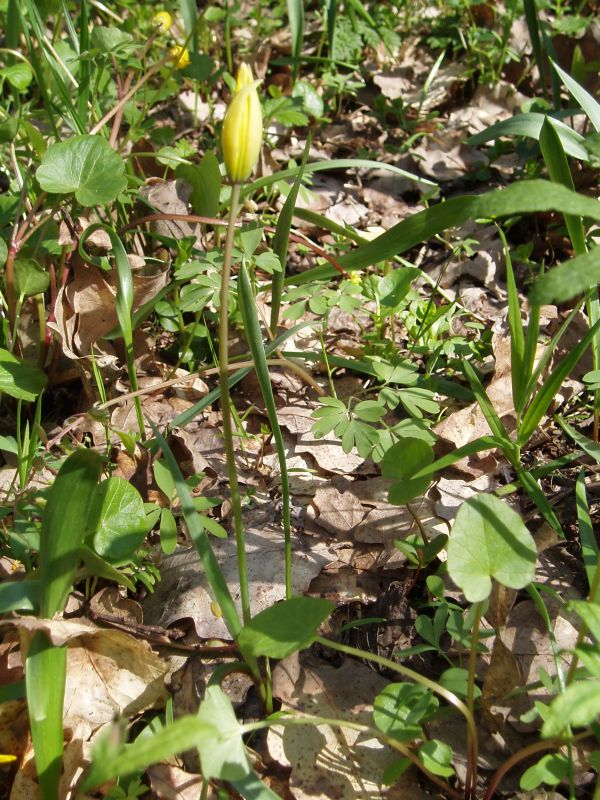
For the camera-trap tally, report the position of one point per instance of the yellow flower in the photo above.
(162, 20)
(355, 277)
(241, 138)
(180, 55)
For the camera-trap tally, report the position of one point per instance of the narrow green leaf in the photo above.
(45, 676)
(583, 97)
(295, 10)
(587, 538)
(255, 342)
(489, 412)
(67, 520)
(551, 385)
(558, 169)
(201, 542)
(530, 125)
(567, 280)
(282, 237)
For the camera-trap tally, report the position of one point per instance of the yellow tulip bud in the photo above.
(241, 138)
(162, 20)
(180, 55)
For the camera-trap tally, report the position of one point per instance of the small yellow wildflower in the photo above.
(180, 56)
(162, 20)
(241, 138)
(355, 277)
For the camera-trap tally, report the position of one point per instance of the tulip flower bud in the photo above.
(163, 20)
(241, 137)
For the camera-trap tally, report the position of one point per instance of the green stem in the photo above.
(471, 779)
(449, 696)
(225, 406)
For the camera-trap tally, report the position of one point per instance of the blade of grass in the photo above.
(83, 94)
(533, 489)
(517, 336)
(282, 237)
(201, 542)
(123, 305)
(255, 342)
(531, 17)
(559, 172)
(558, 169)
(295, 9)
(587, 539)
(187, 416)
(551, 385)
(489, 412)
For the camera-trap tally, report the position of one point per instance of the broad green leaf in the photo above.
(30, 277)
(394, 286)
(121, 525)
(164, 479)
(111, 40)
(205, 180)
(68, 518)
(489, 540)
(18, 75)
(456, 680)
(401, 462)
(551, 769)
(168, 531)
(85, 165)
(401, 707)
(577, 706)
(45, 676)
(285, 627)
(590, 614)
(222, 752)
(19, 379)
(19, 595)
(436, 756)
(312, 101)
(530, 125)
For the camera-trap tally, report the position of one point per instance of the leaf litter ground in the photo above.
(344, 524)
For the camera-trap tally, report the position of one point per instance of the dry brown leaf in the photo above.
(169, 782)
(329, 762)
(339, 513)
(184, 592)
(328, 453)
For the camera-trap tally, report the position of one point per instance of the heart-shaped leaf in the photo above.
(19, 379)
(284, 628)
(122, 523)
(86, 165)
(30, 277)
(403, 460)
(489, 540)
